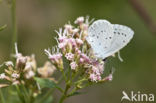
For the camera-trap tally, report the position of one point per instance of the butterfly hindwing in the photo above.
(122, 36)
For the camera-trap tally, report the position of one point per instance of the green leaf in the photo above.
(3, 27)
(45, 98)
(45, 83)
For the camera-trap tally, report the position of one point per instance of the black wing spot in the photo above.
(110, 37)
(118, 33)
(105, 47)
(106, 38)
(124, 41)
(97, 36)
(114, 32)
(125, 35)
(122, 33)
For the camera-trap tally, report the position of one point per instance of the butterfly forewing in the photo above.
(100, 35)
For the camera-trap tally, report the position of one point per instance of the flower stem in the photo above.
(14, 25)
(64, 96)
(48, 94)
(2, 100)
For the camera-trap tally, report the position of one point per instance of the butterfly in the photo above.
(106, 39)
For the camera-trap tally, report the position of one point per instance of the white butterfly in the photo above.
(106, 38)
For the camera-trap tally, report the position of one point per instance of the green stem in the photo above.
(46, 96)
(64, 75)
(49, 93)
(14, 25)
(20, 95)
(2, 100)
(64, 96)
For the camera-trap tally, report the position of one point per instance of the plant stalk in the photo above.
(14, 25)
(64, 96)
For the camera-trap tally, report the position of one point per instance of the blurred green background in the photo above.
(37, 20)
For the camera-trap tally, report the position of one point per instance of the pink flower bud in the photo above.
(73, 65)
(79, 41)
(75, 31)
(79, 20)
(109, 77)
(85, 57)
(68, 27)
(81, 60)
(62, 39)
(93, 77)
(72, 41)
(62, 45)
(85, 27)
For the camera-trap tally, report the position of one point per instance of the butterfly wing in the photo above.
(122, 36)
(100, 35)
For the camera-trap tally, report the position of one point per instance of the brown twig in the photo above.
(139, 8)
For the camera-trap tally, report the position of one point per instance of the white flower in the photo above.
(75, 31)
(9, 63)
(68, 27)
(2, 76)
(73, 65)
(69, 56)
(29, 74)
(93, 77)
(15, 75)
(79, 41)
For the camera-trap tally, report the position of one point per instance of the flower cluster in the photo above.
(72, 46)
(24, 70)
(72, 56)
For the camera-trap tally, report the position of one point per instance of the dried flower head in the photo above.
(47, 70)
